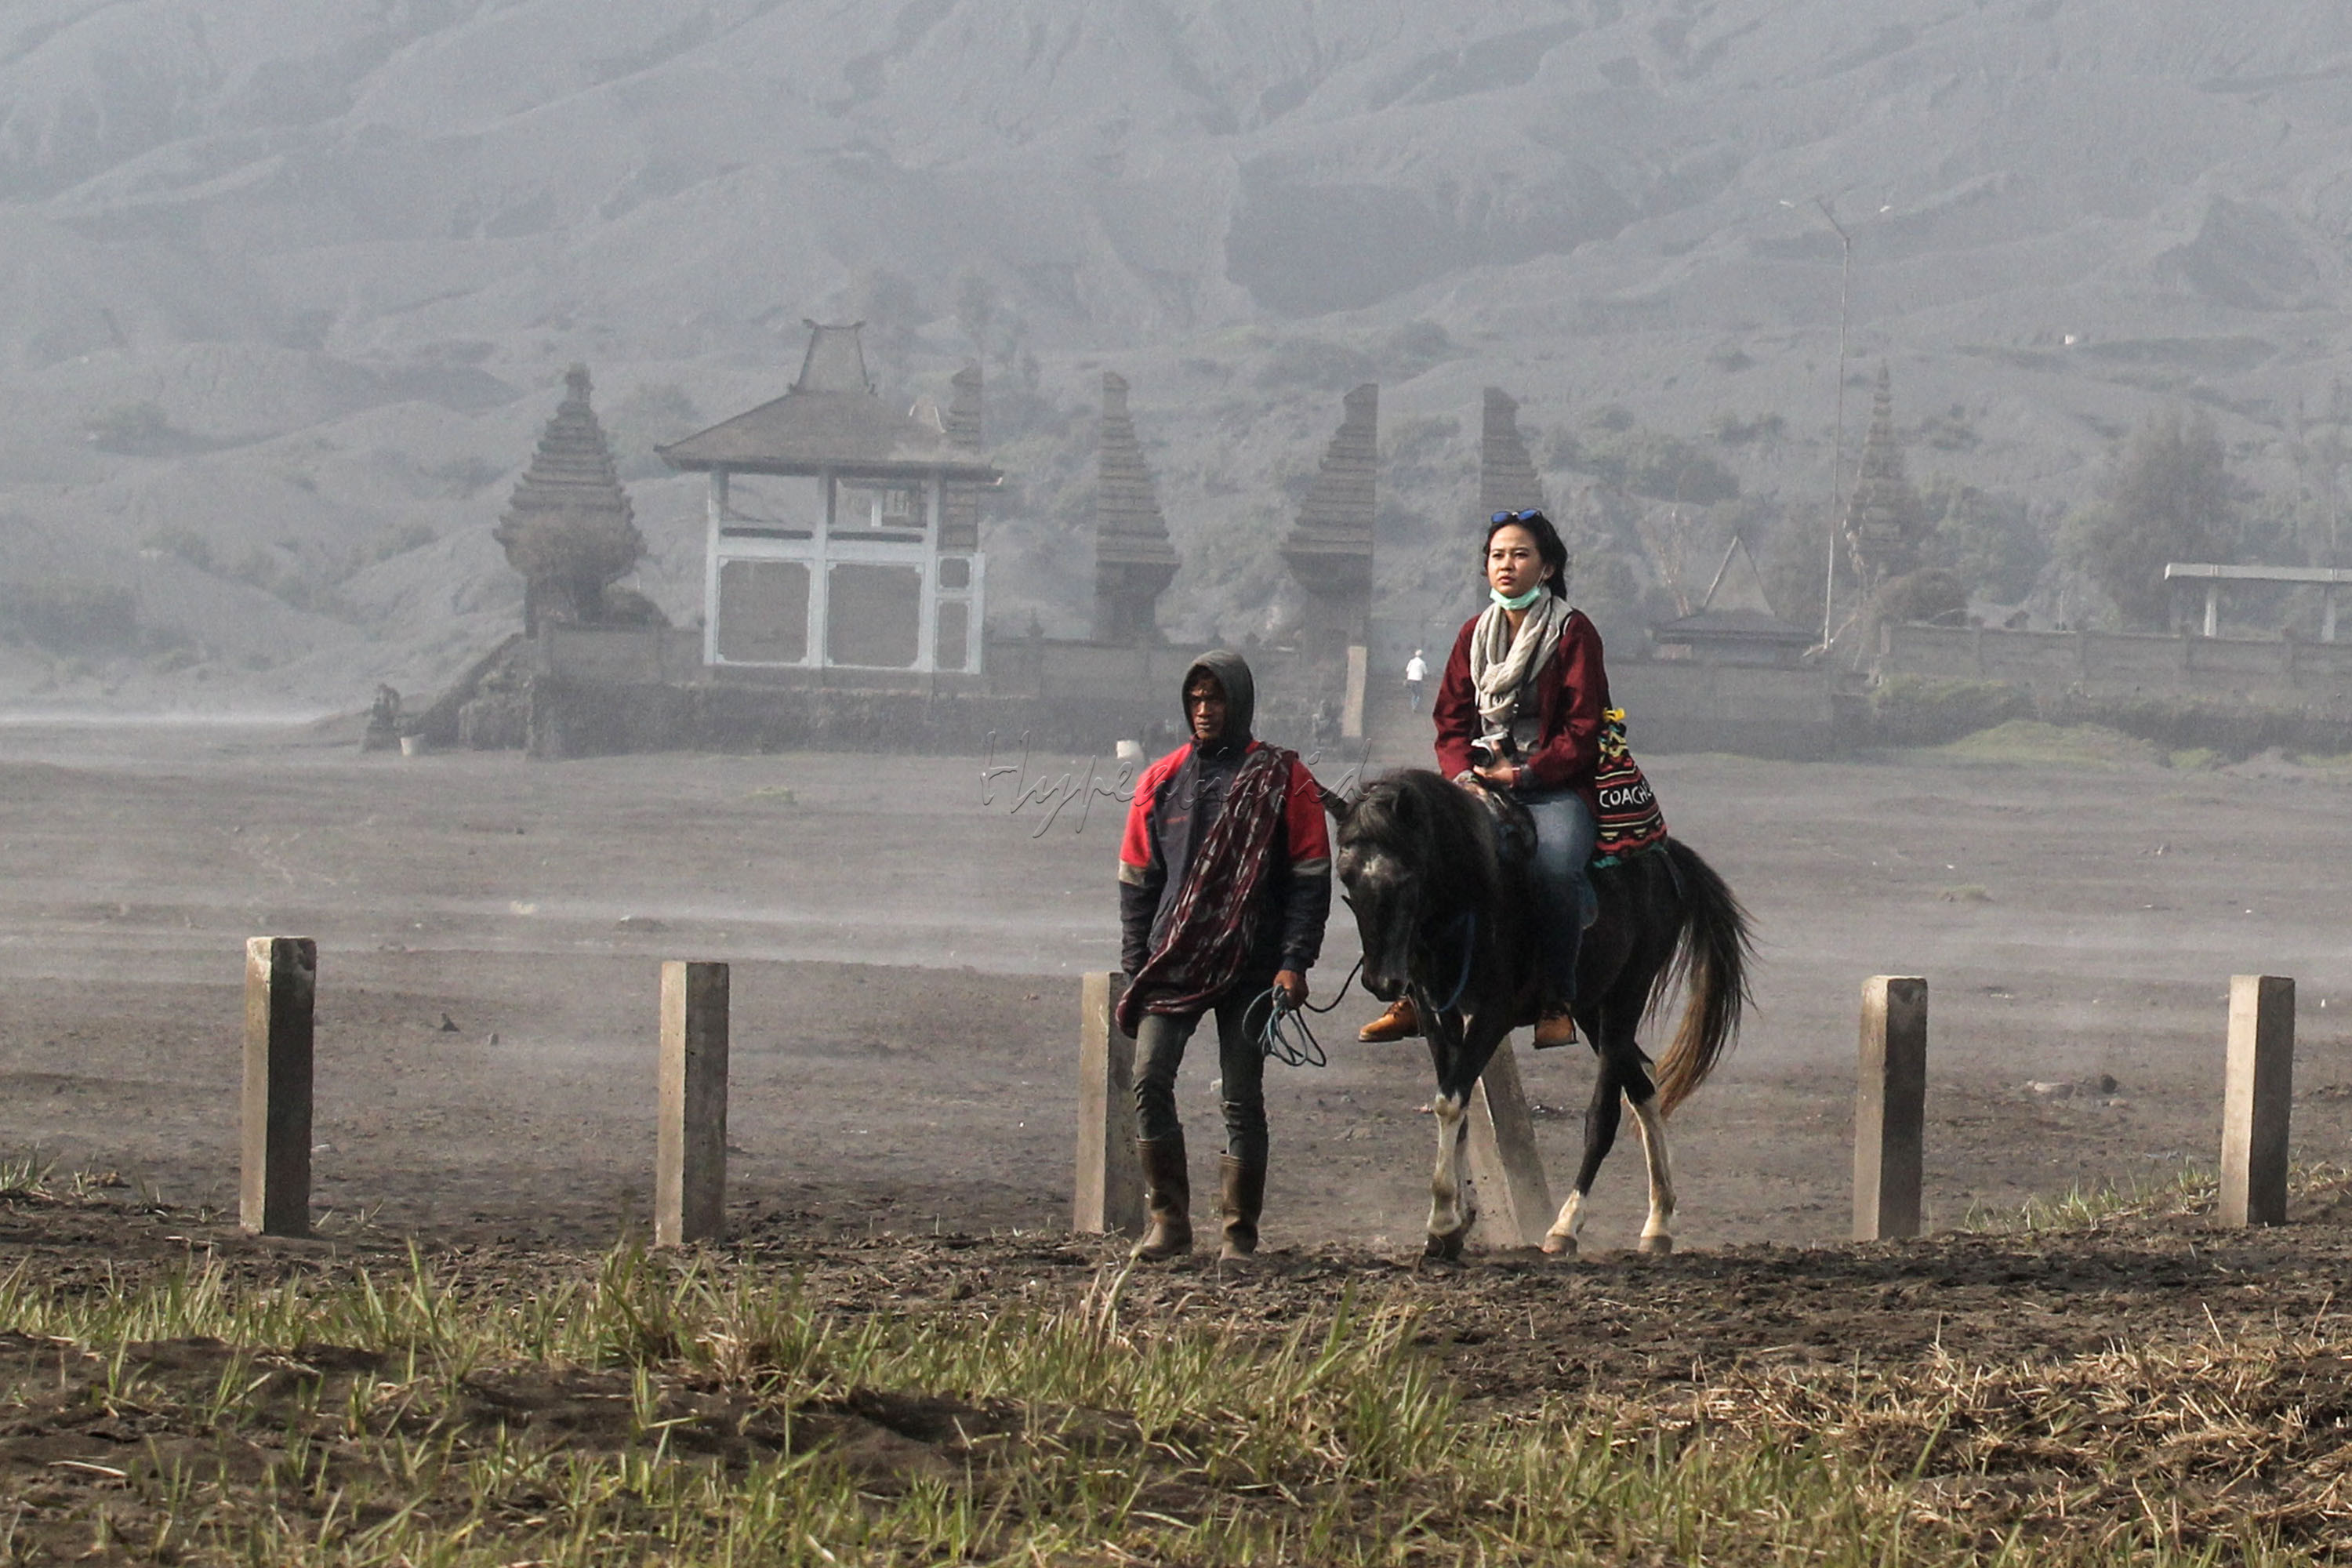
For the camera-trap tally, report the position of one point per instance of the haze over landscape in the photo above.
(803, 954)
(290, 287)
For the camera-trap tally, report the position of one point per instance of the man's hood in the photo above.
(1232, 673)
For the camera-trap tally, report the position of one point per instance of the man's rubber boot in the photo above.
(1242, 1198)
(1401, 1022)
(1167, 1199)
(1555, 1029)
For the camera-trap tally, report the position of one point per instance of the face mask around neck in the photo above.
(1522, 601)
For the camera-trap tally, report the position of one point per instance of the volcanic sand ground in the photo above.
(907, 958)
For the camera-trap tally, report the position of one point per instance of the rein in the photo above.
(1468, 925)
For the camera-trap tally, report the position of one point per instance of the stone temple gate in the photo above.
(842, 535)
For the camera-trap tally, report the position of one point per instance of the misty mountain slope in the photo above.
(298, 278)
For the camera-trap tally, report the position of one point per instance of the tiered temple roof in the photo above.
(830, 419)
(1331, 547)
(1885, 521)
(1507, 479)
(573, 469)
(1134, 563)
(1735, 622)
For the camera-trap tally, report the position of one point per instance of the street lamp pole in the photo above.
(1837, 436)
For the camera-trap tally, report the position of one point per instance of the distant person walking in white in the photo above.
(1416, 671)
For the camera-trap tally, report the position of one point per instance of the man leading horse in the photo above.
(1225, 885)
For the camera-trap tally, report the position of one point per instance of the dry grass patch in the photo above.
(303, 1408)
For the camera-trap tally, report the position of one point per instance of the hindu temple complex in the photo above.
(844, 587)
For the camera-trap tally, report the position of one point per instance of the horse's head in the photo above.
(1381, 857)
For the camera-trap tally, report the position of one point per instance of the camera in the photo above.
(1493, 751)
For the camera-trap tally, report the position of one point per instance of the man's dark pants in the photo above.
(1159, 1043)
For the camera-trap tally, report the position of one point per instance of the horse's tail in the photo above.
(1712, 947)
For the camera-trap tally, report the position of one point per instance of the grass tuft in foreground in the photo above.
(2190, 1192)
(702, 1410)
(2193, 1190)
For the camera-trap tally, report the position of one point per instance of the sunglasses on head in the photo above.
(1532, 515)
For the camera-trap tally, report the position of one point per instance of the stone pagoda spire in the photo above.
(1507, 479)
(1331, 547)
(1133, 560)
(569, 528)
(1883, 521)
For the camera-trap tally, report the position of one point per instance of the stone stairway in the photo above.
(1400, 737)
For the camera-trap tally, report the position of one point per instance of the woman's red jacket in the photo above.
(1573, 693)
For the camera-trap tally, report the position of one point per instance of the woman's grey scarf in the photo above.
(1501, 665)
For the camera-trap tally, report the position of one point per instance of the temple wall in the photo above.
(1684, 705)
(2305, 675)
(621, 655)
(578, 691)
(595, 691)
(583, 691)
(2237, 694)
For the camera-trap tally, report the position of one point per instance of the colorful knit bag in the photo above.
(1628, 820)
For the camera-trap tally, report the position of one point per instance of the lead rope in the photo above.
(1286, 1037)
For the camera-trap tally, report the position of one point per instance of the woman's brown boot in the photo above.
(1166, 1198)
(1555, 1028)
(1243, 1199)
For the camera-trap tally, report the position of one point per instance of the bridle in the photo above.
(1420, 940)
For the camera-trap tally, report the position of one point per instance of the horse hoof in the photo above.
(1657, 1246)
(1559, 1245)
(1444, 1249)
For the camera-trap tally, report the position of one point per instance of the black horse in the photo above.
(1438, 878)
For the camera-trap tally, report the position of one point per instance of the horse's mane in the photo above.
(1440, 830)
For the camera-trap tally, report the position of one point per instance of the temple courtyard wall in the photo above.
(576, 691)
(2236, 694)
(587, 691)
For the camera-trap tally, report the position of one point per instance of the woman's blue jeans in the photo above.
(1564, 901)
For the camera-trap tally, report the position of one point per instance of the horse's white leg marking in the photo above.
(1657, 1236)
(1445, 1181)
(1561, 1236)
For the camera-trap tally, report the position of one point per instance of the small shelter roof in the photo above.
(831, 418)
(1734, 612)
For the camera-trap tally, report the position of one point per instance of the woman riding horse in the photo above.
(1520, 711)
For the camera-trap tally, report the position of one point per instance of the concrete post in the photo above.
(1351, 705)
(281, 976)
(2255, 1100)
(1108, 1198)
(690, 1146)
(1514, 1200)
(1890, 1108)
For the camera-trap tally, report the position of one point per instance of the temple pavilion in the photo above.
(843, 534)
